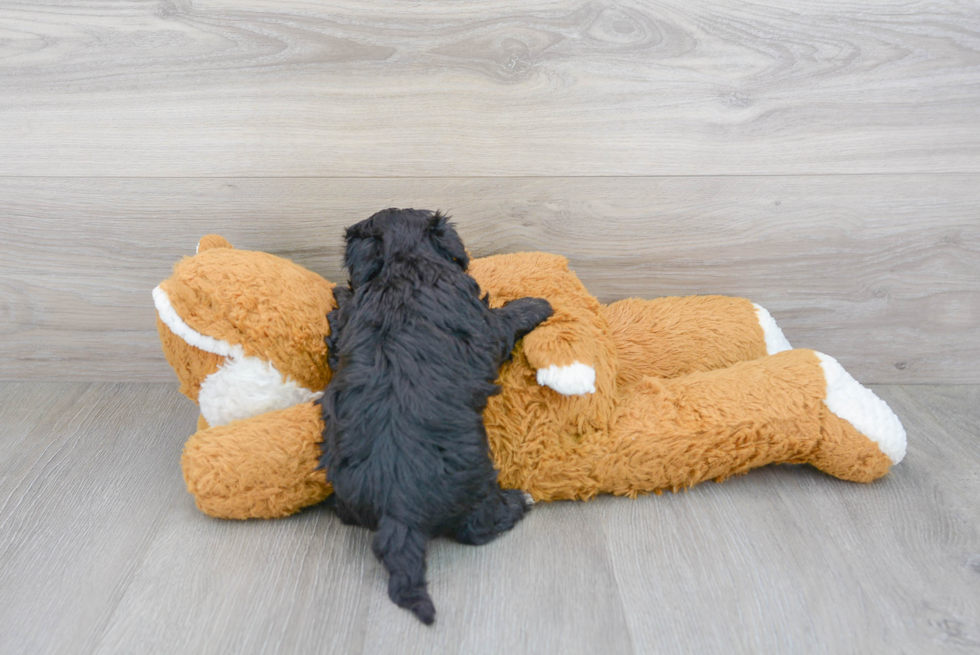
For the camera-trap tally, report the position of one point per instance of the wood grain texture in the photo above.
(810, 564)
(20, 414)
(944, 422)
(293, 586)
(555, 87)
(82, 494)
(104, 552)
(546, 587)
(882, 272)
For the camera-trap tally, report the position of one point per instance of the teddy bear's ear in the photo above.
(212, 241)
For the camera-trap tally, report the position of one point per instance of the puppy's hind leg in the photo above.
(499, 512)
(343, 511)
(402, 551)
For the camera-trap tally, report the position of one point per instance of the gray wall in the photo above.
(821, 161)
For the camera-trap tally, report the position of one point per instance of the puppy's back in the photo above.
(415, 352)
(416, 363)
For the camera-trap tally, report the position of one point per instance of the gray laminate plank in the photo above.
(83, 494)
(291, 586)
(943, 422)
(33, 419)
(789, 560)
(556, 87)
(104, 552)
(308, 584)
(546, 587)
(22, 406)
(880, 271)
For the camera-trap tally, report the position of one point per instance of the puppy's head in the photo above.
(396, 233)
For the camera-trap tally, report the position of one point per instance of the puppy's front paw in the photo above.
(539, 310)
(529, 313)
(576, 379)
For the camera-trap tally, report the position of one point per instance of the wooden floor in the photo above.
(103, 551)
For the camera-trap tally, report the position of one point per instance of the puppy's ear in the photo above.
(362, 256)
(445, 240)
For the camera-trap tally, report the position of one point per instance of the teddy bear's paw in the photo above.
(776, 341)
(576, 379)
(859, 406)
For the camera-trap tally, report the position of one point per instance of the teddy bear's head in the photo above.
(244, 330)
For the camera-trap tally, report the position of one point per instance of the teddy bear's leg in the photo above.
(851, 410)
(262, 467)
(794, 407)
(669, 337)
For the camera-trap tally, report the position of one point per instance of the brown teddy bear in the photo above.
(632, 397)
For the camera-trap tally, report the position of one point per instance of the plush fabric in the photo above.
(633, 397)
(257, 304)
(265, 466)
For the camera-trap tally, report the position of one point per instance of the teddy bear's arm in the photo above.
(673, 336)
(266, 466)
(563, 349)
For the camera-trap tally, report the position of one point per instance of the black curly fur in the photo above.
(415, 352)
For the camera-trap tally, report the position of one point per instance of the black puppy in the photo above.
(415, 352)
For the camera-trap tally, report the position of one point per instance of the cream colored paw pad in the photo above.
(859, 406)
(573, 380)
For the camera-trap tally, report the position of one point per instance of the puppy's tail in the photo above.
(402, 551)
